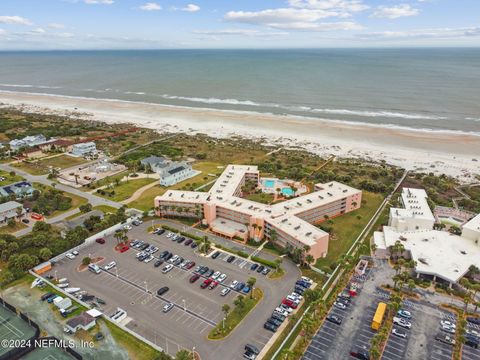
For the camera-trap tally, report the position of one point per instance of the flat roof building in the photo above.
(9, 210)
(416, 213)
(289, 222)
(84, 149)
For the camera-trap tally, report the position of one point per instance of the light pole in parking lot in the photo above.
(184, 305)
(146, 288)
(223, 323)
(193, 353)
(56, 279)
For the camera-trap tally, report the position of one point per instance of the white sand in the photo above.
(438, 152)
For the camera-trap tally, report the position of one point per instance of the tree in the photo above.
(120, 235)
(85, 208)
(309, 259)
(251, 282)
(226, 309)
(273, 236)
(86, 260)
(184, 355)
(11, 222)
(205, 245)
(239, 301)
(19, 211)
(278, 262)
(45, 254)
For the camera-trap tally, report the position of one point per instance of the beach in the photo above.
(452, 153)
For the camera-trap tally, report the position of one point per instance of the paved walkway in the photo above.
(139, 192)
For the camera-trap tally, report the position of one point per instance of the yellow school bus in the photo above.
(378, 317)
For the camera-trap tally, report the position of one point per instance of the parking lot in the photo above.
(468, 352)
(132, 286)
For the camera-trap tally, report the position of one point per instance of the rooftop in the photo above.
(473, 224)
(9, 206)
(436, 252)
(231, 177)
(416, 205)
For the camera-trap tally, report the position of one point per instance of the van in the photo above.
(94, 268)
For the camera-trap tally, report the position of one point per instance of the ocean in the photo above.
(432, 89)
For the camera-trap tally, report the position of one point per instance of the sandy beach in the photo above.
(454, 154)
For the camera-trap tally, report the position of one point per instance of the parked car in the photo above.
(193, 245)
(216, 254)
(124, 248)
(473, 320)
(334, 319)
(213, 285)
(225, 291)
(399, 333)
(46, 296)
(222, 278)
(163, 254)
(266, 271)
(448, 329)
(404, 313)
(274, 321)
(270, 327)
(110, 265)
(203, 270)
(173, 259)
(168, 256)
(190, 265)
(340, 305)
(181, 239)
(246, 289)
(158, 263)
(402, 322)
(278, 316)
(251, 352)
(162, 290)
(216, 275)
(167, 268)
(448, 323)
(446, 339)
(70, 256)
(188, 242)
(167, 307)
(360, 352)
(194, 278)
(281, 311)
(260, 268)
(239, 286)
(254, 267)
(234, 284)
(205, 283)
(231, 259)
(149, 258)
(209, 273)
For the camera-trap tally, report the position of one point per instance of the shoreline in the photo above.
(449, 152)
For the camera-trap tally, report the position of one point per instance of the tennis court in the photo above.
(12, 327)
(50, 353)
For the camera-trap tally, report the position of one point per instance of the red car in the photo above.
(190, 265)
(194, 278)
(100, 240)
(289, 303)
(213, 285)
(124, 248)
(206, 283)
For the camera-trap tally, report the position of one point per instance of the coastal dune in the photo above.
(450, 153)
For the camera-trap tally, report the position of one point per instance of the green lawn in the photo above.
(346, 228)
(76, 200)
(10, 230)
(261, 198)
(105, 209)
(126, 188)
(40, 167)
(9, 179)
(235, 316)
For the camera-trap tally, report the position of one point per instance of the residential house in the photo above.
(84, 149)
(84, 321)
(9, 210)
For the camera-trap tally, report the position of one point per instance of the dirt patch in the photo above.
(94, 260)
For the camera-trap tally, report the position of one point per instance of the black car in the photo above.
(472, 341)
(254, 267)
(260, 268)
(163, 254)
(188, 242)
(144, 246)
(158, 263)
(25, 221)
(230, 259)
(274, 321)
(203, 270)
(270, 327)
(209, 273)
(161, 231)
(168, 257)
(215, 254)
(46, 296)
(278, 316)
(162, 290)
(473, 320)
(299, 290)
(334, 319)
(193, 245)
(239, 286)
(360, 352)
(252, 348)
(181, 239)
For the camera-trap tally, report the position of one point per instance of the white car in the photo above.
(307, 279)
(169, 235)
(281, 311)
(167, 268)
(293, 299)
(473, 332)
(173, 259)
(402, 322)
(75, 252)
(340, 305)
(448, 324)
(64, 285)
(110, 265)
(216, 275)
(222, 278)
(286, 308)
(150, 258)
(448, 329)
(399, 333)
(297, 296)
(225, 291)
(167, 307)
(233, 284)
(70, 256)
(127, 227)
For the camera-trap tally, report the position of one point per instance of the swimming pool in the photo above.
(287, 191)
(269, 183)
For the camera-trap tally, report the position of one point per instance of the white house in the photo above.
(8, 210)
(84, 149)
(27, 141)
(416, 213)
(84, 321)
(175, 172)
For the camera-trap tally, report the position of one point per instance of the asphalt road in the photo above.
(135, 288)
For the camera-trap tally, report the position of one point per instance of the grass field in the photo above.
(41, 167)
(346, 228)
(76, 200)
(145, 202)
(9, 179)
(261, 198)
(126, 188)
(10, 230)
(137, 350)
(236, 315)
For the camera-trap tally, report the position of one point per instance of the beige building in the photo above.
(289, 222)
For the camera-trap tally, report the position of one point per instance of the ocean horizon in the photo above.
(429, 88)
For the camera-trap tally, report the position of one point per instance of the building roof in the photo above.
(473, 224)
(154, 160)
(436, 252)
(229, 180)
(82, 319)
(9, 206)
(84, 145)
(176, 170)
(416, 205)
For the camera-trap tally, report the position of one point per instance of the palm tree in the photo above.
(226, 309)
(205, 245)
(309, 259)
(273, 236)
(287, 354)
(278, 262)
(251, 282)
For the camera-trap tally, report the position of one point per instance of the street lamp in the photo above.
(184, 306)
(56, 278)
(193, 353)
(146, 288)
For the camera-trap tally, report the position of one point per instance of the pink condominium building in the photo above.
(289, 222)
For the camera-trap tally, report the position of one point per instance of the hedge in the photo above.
(262, 261)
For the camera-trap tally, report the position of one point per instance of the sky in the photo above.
(172, 24)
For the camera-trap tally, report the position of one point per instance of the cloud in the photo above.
(56, 26)
(38, 30)
(394, 12)
(291, 19)
(345, 5)
(104, 2)
(435, 33)
(151, 6)
(238, 32)
(3, 31)
(15, 20)
(191, 8)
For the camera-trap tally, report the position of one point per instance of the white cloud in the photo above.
(104, 2)
(238, 32)
(191, 8)
(15, 20)
(292, 19)
(39, 30)
(345, 5)
(56, 26)
(3, 31)
(394, 12)
(151, 6)
(435, 33)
